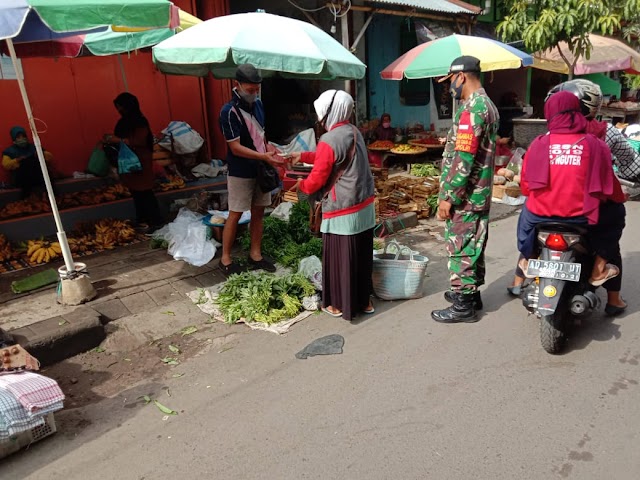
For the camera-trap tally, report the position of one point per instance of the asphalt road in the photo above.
(408, 399)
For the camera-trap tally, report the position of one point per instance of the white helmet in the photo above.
(589, 94)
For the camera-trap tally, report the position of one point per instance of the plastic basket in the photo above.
(24, 439)
(399, 275)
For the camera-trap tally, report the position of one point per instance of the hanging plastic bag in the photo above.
(515, 164)
(180, 138)
(128, 161)
(98, 163)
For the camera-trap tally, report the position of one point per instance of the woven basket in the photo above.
(400, 275)
(525, 130)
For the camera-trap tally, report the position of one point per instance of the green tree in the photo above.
(543, 24)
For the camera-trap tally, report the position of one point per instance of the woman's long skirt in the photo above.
(347, 263)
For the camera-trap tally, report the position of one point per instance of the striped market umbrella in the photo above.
(432, 59)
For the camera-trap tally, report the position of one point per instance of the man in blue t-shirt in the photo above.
(242, 123)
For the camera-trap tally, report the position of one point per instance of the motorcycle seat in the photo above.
(562, 227)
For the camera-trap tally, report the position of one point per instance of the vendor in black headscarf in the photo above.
(133, 129)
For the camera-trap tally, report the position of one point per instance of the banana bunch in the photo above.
(174, 183)
(124, 231)
(119, 190)
(6, 253)
(105, 241)
(42, 251)
(80, 244)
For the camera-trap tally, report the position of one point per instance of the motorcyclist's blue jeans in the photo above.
(527, 236)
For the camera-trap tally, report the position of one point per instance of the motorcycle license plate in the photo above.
(558, 270)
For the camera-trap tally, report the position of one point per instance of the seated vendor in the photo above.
(384, 130)
(21, 161)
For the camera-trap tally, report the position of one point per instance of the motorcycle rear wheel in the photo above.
(552, 333)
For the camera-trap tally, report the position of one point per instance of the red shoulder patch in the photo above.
(466, 140)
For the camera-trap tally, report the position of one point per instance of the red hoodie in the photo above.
(568, 172)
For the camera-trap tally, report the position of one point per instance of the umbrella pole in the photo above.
(122, 72)
(62, 236)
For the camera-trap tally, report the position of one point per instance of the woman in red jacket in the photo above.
(567, 175)
(342, 178)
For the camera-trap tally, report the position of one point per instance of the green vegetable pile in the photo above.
(263, 297)
(424, 170)
(288, 242)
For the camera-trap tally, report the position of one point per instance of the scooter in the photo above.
(561, 287)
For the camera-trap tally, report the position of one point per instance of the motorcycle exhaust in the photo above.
(581, 304)
(531, 297)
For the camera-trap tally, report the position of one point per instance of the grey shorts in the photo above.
(244, 193)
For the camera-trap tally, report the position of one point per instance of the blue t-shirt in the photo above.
(233, 128)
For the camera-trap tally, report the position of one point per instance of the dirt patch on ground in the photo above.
(98, 374)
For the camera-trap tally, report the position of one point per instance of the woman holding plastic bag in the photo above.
(341, 178)
(133, 138)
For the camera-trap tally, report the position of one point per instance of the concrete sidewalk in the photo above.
(134, 283)
(141, 298)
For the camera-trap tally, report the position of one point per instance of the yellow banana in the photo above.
(56, 247)
(47, 257)
(32, 247)
(34, 257)
(52, 253)
(40, 255)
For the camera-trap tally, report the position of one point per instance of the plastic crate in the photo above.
(24, 439)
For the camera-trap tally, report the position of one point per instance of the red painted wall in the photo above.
(74, 98)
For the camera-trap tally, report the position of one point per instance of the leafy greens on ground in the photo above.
(288, 242)
(263, 297)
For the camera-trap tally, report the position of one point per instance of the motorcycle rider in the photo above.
(612, 214)
(567, 175)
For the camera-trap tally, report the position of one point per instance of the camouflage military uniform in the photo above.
(466, 182)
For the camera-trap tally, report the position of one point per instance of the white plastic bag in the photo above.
(282, 211)
(187, 239)
(185, 139)
(311, 268)
(305, 141)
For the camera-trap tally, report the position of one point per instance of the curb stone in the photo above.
(58, 338)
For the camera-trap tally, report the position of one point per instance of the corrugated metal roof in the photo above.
(443, 6)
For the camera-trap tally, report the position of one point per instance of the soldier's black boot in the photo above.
(462, 310)
(450, 295)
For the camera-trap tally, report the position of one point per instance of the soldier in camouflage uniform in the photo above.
(465, 190)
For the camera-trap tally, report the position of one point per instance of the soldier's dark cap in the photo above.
(465, 63)
(247, 73)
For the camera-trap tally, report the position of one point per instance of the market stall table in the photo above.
(630, 114)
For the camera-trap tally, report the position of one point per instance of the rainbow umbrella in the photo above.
(432, 59)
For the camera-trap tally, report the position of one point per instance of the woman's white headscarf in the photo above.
(340, 110)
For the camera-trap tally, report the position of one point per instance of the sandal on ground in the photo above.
(612, 272)
(369, 310)
(329, 312)
(515, 290)
(262, 264)
(231, 269)
(614, 310)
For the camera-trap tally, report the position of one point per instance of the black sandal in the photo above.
(231, 269)
(263, 264)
